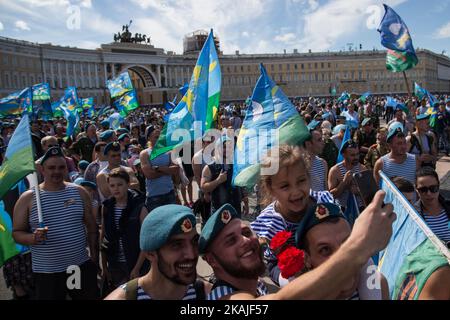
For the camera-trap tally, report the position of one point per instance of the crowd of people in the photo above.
(129, 222)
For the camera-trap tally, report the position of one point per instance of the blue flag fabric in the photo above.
(271, 120)
(390, 102)
(183, 90)
(394, 32)
(68, 105)
(115, 120)
(409, 231)
(344, 96)
(419, 91)
(347, 136)
(120, 85)
(17, 103)
(41, 91)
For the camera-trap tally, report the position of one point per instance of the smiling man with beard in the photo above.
(169, 241)
(231, 249)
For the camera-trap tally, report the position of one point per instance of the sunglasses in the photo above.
(433, 189)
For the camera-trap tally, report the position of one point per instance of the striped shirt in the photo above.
(117, 215)
(63, 214)
(222, 289)
(439, 225)
(343, 198)
(407, 169)
(317, 174)
(269, 222)
(142, 295)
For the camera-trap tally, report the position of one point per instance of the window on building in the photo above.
(288, 66)
(242, 68)
(7, 81)
(303, 66)
(322, 65)
(295, 66)
(249, 69)
(329, 65)
(24, 81)
(309, 65)
(315, 65)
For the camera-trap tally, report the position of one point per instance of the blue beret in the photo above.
(85, 183)
(339, 128)
(83, 164)
(348, 144)
(115, 146)
(315, 215)
(422, 116)
(123, 136)
(164, 222)
(214, 225)
(105, 135)
(52, 152)
(105, 123)
(394, 129)
(313, 125)
(326, 115)
(365, 121)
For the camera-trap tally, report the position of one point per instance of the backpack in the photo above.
(132, 288)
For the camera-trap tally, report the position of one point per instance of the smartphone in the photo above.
(367, 187)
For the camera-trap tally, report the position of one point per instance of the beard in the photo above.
(169, 271)
(237, 270)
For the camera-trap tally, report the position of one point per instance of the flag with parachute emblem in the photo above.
(17, 103)
(200, 103)
(68, 105)
(271, 120)
(41, 91)
(126, 103)
(119, 86)
(395, 36)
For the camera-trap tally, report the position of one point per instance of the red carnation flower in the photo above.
(291, 261)
(279, 240)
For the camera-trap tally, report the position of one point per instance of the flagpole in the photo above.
(407, 84)
(34, 181)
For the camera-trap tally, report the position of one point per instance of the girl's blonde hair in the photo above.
(284, 156)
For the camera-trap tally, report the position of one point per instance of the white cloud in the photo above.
(245, 34)
(86, 3)
(46, 3)
(334, 20)
(286, 38)
(22, 25)
(443, 32)
(1, 27)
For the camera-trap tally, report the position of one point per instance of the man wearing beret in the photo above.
(422, 142)
(377, 150)
(83, 148)
(340, 179)
(169, 240)
(398, 162)
(320, 234)
(113, 153)
(365, 137)
(108, 136)
(231, 249)
(124, 141)
(62, 242)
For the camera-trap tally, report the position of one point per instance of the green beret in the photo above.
(315, 215)
(164, 222)
(52, 152)
(123, 136)
(365, 122)
(105, 135)
(214, 225)
(115, 146)
(122, 131)
(422, 116)
(394, 129)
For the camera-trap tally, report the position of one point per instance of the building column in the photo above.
(166, 77)
(175, 70)
(89, 75)
(44, 72)
(52, 77)
(158, 69)
(83, 84)
(74, 74)
(182, 75)
(97, 80)
(170, 70)
(67, 74)
(59, 75)
(106, 72)
(113, 66)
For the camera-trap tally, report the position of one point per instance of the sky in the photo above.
(250, 26)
